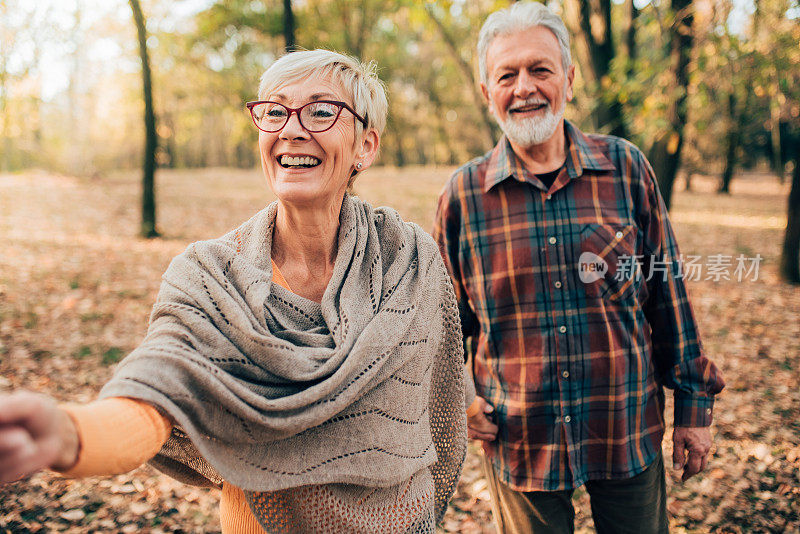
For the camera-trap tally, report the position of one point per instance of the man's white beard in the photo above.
(529, 131)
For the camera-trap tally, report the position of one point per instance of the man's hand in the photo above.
(34, 435)
(697, 442)
(479, 426)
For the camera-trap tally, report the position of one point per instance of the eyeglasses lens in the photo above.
(318, 116)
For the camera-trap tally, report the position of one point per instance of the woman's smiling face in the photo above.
(312, 169)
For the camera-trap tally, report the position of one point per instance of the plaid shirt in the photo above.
(574, 342)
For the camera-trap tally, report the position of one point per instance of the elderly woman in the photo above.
(309, 362)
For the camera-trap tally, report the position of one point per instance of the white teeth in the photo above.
(301, 160)
(529, 106)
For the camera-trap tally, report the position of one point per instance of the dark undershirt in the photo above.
(548, 178)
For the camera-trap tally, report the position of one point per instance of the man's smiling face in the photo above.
(527, 86)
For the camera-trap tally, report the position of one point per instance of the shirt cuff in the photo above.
(693, 410)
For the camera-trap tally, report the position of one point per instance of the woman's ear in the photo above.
(368, 149)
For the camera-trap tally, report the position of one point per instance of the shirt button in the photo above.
(618, 235)
(558, 284)
(708, 411)
(567, 419)
(565, 374)
(562, 329)
(552, 240)
(548, 197)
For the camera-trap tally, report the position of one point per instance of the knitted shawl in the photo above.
(358, 400)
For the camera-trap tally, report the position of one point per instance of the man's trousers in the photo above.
(636, 505)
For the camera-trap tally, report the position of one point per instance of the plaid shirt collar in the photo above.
(582, 153)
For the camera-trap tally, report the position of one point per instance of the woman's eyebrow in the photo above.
(315, 96)
(323, 96)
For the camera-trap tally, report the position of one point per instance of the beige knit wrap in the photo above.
(360, 396)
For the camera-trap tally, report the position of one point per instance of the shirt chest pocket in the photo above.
(608, 266)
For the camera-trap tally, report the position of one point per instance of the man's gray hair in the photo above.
(521, 16)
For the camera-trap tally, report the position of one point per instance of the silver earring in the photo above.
(359, 165)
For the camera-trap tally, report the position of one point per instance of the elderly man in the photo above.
(568, 279)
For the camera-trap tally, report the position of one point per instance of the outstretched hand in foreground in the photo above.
(34, 435)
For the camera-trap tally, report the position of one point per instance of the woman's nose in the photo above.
(293, 129)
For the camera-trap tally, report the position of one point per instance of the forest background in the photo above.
(700, 85)
(709, 89)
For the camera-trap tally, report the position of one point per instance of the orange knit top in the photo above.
(119, 434)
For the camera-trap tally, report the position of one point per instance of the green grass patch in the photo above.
(41, 354)
(82, 352)
(112, 355)
(744, 250)
(95, 316)
(31, 319)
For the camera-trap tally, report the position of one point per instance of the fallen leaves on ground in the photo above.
(76, 286)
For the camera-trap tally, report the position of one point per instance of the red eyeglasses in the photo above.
(315, 117)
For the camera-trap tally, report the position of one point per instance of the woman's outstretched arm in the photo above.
(105, 437)
(117, 435)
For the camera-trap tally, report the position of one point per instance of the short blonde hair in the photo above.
(359, 80)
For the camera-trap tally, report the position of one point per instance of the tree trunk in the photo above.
(421, 148)
(148, 227)
(363, 27)
(5, 157)
(398, 134)
(629, 41)
(594, 23)
(790, 257)
(5, 116)
(170, 151)
(438, 118)
(664, 157)
(734, 135)
(75, 95)
(665, 154)
(288, 25)
(489, 128)
(775, 135)
(786, 143)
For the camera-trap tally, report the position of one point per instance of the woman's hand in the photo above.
(34, 435)
(479, 426)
